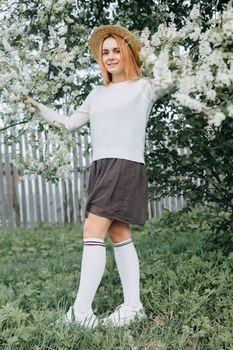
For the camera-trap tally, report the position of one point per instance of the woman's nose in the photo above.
(111, 54)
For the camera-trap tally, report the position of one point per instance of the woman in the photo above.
(118, 112)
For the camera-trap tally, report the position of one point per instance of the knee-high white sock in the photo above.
(128, 268)
(92, 269)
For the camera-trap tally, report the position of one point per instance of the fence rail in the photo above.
(27, 201)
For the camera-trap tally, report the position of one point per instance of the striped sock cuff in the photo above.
(122, 243)
(93, 241)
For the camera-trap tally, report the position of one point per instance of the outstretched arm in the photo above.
(75, 121)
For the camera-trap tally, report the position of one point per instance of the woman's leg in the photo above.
(93, 262)
(127, 262)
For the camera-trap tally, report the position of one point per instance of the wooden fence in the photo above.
(28, 201)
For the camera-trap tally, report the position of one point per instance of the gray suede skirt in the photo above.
(118, 189)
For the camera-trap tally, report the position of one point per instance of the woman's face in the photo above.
(112, 57)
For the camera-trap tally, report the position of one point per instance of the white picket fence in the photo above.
(27, 201)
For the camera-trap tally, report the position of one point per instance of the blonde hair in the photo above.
(132, 70)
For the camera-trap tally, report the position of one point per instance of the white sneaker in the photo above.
(124, 315)
(88, 320)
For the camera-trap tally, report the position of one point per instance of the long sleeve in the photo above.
(75, 121)
(159, 86)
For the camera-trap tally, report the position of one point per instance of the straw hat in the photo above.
(103, 32)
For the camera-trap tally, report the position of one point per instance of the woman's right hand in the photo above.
(30, 100)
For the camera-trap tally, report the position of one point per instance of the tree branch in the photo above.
(10, 126)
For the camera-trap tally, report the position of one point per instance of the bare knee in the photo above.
(96, 226)
(119, 231)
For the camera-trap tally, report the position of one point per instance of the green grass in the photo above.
(186, 289)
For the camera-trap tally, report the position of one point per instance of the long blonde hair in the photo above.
(132, 70)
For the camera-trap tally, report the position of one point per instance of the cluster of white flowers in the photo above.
(216, 118)
(24, 70)
(230, 110)
(227, 17)
(47, 3)
(55, 155)
(161, 72)
(64, 60)
(195, 12)
(187, 101)
(203, 72)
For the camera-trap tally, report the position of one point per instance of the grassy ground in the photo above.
(186, 289)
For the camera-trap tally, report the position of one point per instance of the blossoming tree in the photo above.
(44, 52)
(199, 116)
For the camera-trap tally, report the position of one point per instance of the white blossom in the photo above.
(204, 48)
(186, 84)
(65, 88)
(195, 35)
(215, 58)
(1, 123)
(189, 102)
(172, 16)
(211, 94)
(216, 119)
(216, 36)
(187, 29)
(63, 30)
(6, 44)
(152, 58)
(47, 3)
(230, 110)
(155, 40)
(228, 21)
(195, 12)
(145, 35)
(223, 77)
(146, 52)
(161, 71)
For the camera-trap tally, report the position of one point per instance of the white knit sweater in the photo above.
(118, 114)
